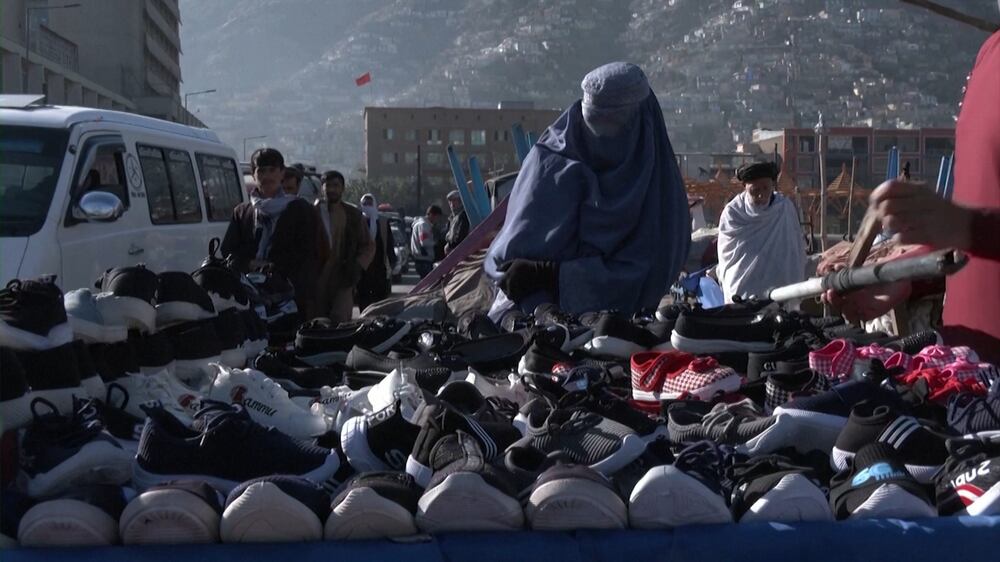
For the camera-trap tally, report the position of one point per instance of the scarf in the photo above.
(265, 216)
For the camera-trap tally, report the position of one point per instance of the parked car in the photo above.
(83, 190)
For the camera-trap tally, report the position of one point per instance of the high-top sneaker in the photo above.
(32, 315)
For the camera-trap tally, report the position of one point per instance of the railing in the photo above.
(56, 48)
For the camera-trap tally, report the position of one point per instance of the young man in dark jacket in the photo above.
(276, 230)
(348, 252)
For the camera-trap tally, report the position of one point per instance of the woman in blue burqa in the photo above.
(598, 218)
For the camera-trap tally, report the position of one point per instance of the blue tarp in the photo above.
(933, 540)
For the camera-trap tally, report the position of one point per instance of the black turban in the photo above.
(756, 171)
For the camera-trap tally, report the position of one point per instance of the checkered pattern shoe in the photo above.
(652, 368)
(940, 356)
(900, 360)
(835, 361)
(864, 356)
(702, 379)
(783, 387)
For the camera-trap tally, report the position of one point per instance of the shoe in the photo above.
(275, 509)
(834, 361)
(876, 485)
(221, 282)
(714, 330)
(266, 401)
(488, 355)
(115, 360)
(374, 505)
(32, 316)
(154, 352)
(196, 346)
(476, 325)
(320, 342)
(383, 439)
(182, 512)
(15, 393)
(465, 398)
(914, 343)
(285, 367)
(82, 516)
(543, 359)
(225, 448)
(131, 392)
(54, 374)
(13, 505)
(60, 452)
(741, 424)
(922, 451)
(86, 320)
(569, 332)
(969, 483)
(122, 425)
(437, 421)
(128, 297)
(467, 493)
(256, 333)
(759, 364)
(430, 375)
(975, 416)
(772, 488)
(614, 336)
(692, 491)
(231, 329)
(940, 356)
(783, 387)
(180, 299)
(660, 376)
(586, 438)
(569, 497)
(514, 320)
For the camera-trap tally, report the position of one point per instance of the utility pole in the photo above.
(419, 180)
(820, 130)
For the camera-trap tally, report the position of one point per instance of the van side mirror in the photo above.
(99, 206)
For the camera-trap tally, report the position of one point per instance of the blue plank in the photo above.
(521, 145)
(479, 194)
(463, 187)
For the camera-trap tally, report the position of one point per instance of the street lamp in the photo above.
(27, 34)
(212, 91)
(245, 139)
(820, 130)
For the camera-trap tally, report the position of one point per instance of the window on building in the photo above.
(410, 158)
(859, 145)
(435, 181)
(909, 144)
(807, 144)
(434, 158)
(220, 184)
(478, 137)
(884, 143)
(171, 190)
(388, 134)
(805, 181)
(434, 136)
(496, 135)
(411, 134)
(941, 145)
(390, 157)
(840, 143)
(805, 164)
(456, 136)
(501, 160)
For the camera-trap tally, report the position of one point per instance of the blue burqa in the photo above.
(611, 210)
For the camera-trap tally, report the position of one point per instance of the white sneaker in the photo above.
(160, 388)
(266, 402)
(510, 388)
(338, 404)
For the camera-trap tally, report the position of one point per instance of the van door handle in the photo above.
(134, 250)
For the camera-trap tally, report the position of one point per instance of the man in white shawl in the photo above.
(760, 241)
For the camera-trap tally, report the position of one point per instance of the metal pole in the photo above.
(850, 204)
(419, 181)
(820, 131)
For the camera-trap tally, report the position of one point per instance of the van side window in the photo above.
(104, 160)
(171, 188)
(220, 182)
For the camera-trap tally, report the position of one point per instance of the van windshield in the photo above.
(30, 160)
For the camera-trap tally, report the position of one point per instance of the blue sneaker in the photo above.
(86, 320)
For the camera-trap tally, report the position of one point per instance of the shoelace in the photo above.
(52, 427)
(727, 417)
(707, 458)
(962, 408)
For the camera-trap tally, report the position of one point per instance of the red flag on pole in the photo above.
(363, 79)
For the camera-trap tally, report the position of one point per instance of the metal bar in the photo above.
(949, 13)
(463, 187)
(521, 146)
(949, 182)
(850, 203)
(479, 195)
(939, 187)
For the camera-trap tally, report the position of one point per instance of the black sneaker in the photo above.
(381, 440)
(922, 450)
(615, 336)
(739, 424)
(182, 512)
(780, 387)
(90, 379)
(514, 320)
(125, 427)
(221, 281)
(294, 374)
(567, 497)
(693, 490)
(430, 374)
(32, 315)
(15, 394)
(256, 333)
(54, 374)
(63, 451)
(466, 492)
(374, 505)
(225, 448)
(585, 437)
(776, 488)
(231, 329)
(196, 346)
(760, 364)
(441, 420)
(468, 400)
(487, 355)
(85, 515)
(128, 297)
(153, 352)
(275, 509)
(476, 325)
(541, 358)
(115, 360)
(572, 334)
(876, 485)
(735, 328)
(180, 299)
(320, 342)
(975, 416)
(969, 483)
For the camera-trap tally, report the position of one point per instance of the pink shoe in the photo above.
(835, 361)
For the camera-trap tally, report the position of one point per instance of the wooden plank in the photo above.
(869, 229)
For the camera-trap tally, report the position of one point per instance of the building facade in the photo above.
(112, 54)
(864, 148)
(399, 140)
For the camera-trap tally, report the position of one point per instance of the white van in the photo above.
(83, 190)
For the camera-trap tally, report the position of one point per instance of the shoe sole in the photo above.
(131, 312)
(632, 447)
(729, 384)
(794, 498)
(465, 502)
(92, 332)
(354, 442)
(326, 358)
(364, 514)
(666, 497)
(608, 346)
(264, 513)
(16, 338)
(698, 346)
(839, 460)
(98, 462)
(66, 523)
(179, 312)
(891, 501)
(222, 304)
(572, 503)
(143, 479)
(813, 430)
(169, 517)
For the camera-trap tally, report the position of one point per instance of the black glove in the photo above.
(522, 278)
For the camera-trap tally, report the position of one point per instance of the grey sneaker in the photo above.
(585, 437)
(86, 321)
